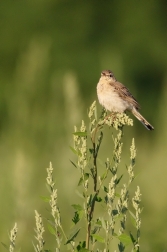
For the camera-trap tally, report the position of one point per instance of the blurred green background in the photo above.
(51, 56)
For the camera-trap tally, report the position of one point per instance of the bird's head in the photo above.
(108, 75)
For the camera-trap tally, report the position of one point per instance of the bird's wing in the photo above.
(124, 93)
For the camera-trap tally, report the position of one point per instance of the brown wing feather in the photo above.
(124, 93)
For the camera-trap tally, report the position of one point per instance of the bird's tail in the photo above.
(142, 119)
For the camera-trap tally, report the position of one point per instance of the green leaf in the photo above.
(98, 222)
(98, 238)
(45, 199)
(91, 151)
(51, 230)
(78, 153)
(86, 176)
(125, 239)
(114, 212)
(81, 134)
(73, 164)
(72, 237)
(5, 246)
(96, 229)
(132, 238)
(77, 216)
(80, 181)
(73, 150)
(118, 180)
(81, 245)
(98, 199)
(105, 189)
(117, 195)
(77, 207)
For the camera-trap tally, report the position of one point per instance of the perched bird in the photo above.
(115, 97)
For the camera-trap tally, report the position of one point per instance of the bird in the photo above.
(116, 98)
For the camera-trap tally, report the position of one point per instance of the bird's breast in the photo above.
(109, 98)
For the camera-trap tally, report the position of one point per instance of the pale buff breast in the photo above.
(110, 99)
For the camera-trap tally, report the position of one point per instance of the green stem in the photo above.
(90, 210)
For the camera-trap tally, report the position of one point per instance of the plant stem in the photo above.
(90, 210)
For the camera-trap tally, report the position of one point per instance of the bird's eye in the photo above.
(110, 75)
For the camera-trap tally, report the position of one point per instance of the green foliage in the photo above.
(106, 202)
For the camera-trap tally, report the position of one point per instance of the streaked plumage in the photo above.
(115, 97)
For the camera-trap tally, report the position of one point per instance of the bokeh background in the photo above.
(51, 56)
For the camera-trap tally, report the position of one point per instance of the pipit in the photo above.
(116, 98)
